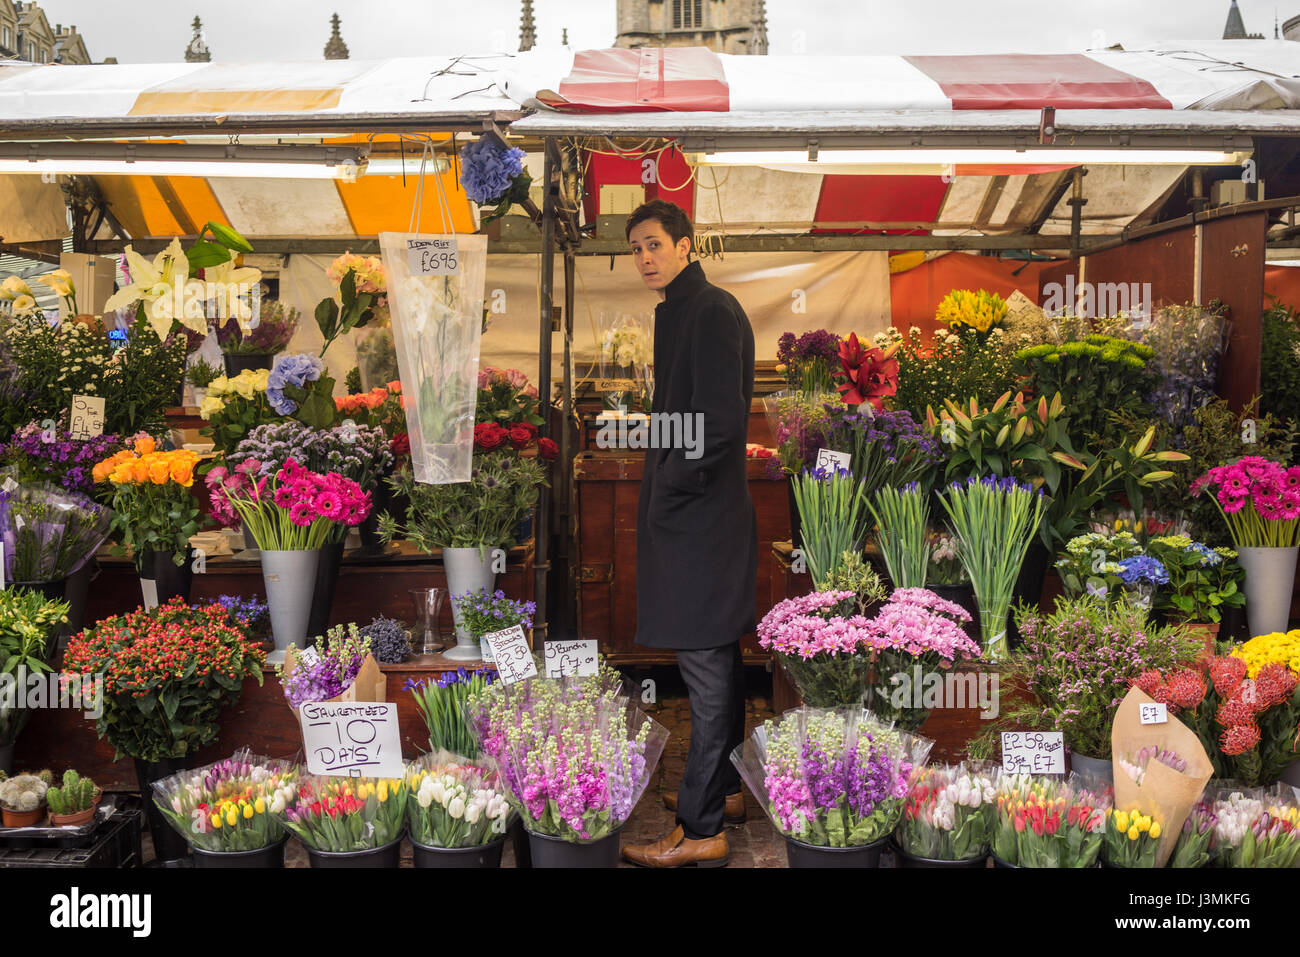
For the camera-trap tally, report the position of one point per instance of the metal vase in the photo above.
(467, 571)
(1270, 576)
(290, 579)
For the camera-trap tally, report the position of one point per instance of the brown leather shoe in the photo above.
(676, 850)
(733, 813)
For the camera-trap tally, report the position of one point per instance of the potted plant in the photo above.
(155, 514)
(457, 813)
(948, 818)
(824, 644)
(350, 822)
(22, 799)
(253, 348)
(1074, 665)
(74, 801)
(28, 624)
(199, 375)
(232, 812)
(467, 520)
(290, 517)
(832, 782)
(136, 654)
(1260, 503)
(575, 756)
(441, 702)
(1202, 582)
(483, 613)
(1091, 564)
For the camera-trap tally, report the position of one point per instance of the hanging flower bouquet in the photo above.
(453, 804)
(338, 815)
(836, 778)
(949, 813)
(575, 754)
(238, 804)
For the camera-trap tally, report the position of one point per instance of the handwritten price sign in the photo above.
(87, 416)
(1153, 714)
(1033, 752)
(831, 460)
(432, 257)
(514, 659)
(352, 739)
(566, 658)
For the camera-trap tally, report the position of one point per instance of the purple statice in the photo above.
(53, 455)
(291, 371)
(488, 169)
(1143, 569)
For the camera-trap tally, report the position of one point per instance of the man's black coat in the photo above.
(697, 540)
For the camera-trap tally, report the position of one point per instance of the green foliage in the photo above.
(1279, 373)
(201, 372)
(1102, 380)
(352, 381)
(956, 366)
(355, 313)
(1201, 581)
(853, 573)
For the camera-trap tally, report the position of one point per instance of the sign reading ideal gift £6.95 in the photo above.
(352, 739)
(432, 257)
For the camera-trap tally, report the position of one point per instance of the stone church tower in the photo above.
(724, 26)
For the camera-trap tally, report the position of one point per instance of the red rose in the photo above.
(547, 448)
(520, 437)
(489, 435)
(401, 443)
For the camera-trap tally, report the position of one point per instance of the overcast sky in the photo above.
(158, 30)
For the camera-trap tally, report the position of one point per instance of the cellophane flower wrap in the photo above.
(1049, 822)
(1258, 499)
(949, 814)
(339, 815)
(53, 455)
(831, 777)
(48, 532)
(1193, 847)
(626, 356)
(454, 802)
(238, 804)
(1255, 828)
(574, 753)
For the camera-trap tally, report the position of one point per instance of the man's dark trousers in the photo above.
(715, 678)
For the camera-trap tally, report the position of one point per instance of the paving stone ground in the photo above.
(753, 844)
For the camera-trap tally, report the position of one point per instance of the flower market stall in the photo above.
(301, 446)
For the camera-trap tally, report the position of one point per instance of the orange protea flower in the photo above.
(1227, 675)
(1239, 738)
(1274, 684)
(1235, 711)
(1186, 689)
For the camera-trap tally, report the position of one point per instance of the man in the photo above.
(697, 540)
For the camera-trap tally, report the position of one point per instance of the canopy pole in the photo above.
(542, 525)
(565, 463)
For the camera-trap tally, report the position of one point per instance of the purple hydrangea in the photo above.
(488, 168)
(1143, 569)
(295, 370)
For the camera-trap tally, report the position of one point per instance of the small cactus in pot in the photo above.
(22, 799)
(74, 801)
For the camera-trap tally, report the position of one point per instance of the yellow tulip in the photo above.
(383, 791)
(232, 817)
(248, 811)
(216, 822)
(259, 805)
(1155, 829)
(1133, 833)
(1121, 821)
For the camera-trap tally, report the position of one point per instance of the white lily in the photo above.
(228, 283)
(154, 283)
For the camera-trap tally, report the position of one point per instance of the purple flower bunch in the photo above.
(331, 671)
(358, 452)
(817, 344)
(488, 168)
(54, 456)
(296, 371)
(276, 324)
(815, 624)
(834, 778)
(888, 448)
(248, 613)
(574, 757)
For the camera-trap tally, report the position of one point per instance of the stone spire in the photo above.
(759, 46)
(197, 51)
(564, 37)
(335, 49)
(527, 29)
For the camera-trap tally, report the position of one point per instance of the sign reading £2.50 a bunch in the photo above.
(352, 739)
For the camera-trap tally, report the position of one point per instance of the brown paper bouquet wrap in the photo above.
(1168, 796)
(369, 685)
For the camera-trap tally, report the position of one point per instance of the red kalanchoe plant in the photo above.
(870, 375)
(167, 674)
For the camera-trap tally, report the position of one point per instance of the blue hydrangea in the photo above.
(1143, 568)
(295, 370)
(1208, 555)
(488, 168)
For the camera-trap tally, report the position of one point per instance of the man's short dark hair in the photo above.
(670, 216)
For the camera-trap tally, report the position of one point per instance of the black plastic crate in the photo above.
(63, 838)
(116, 844)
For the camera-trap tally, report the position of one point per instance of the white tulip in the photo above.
(472, 812)
(456, 809)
